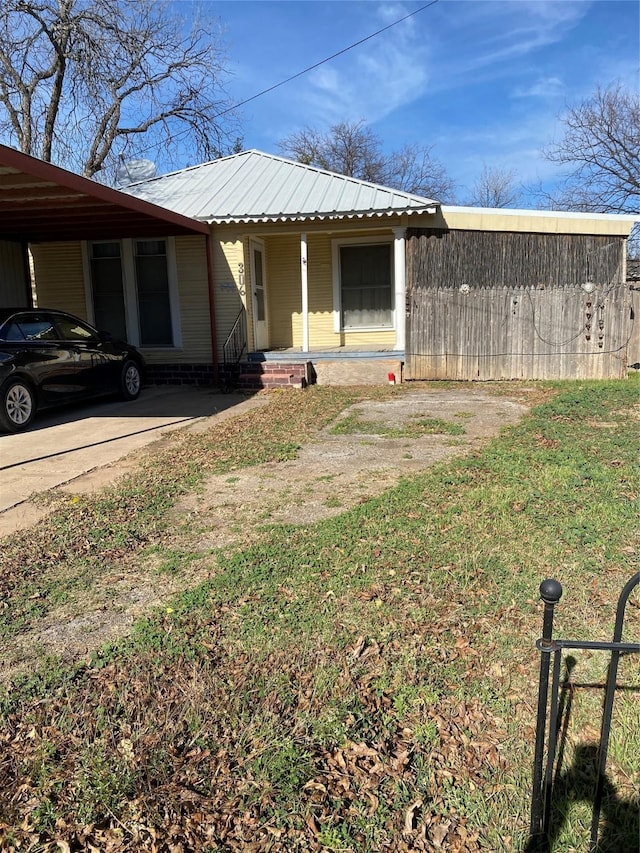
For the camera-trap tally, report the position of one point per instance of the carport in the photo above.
(40, 202)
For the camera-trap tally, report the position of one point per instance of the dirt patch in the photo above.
(336, 472)
(331, 473)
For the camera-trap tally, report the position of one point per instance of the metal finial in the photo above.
(550, 591)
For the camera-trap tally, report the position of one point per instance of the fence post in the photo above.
(550, 593)
(608, 708)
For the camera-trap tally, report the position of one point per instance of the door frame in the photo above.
(260, 327)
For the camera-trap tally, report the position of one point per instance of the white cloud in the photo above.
(491, 37)
(379, 76)
(543, 87)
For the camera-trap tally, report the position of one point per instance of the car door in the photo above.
(37, 354)
(92, 365)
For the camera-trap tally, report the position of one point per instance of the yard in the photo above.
(359, 676)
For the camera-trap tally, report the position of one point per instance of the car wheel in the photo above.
(130, 380)
(18, 405)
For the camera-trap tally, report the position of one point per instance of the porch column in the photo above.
(400, 279)
(305, 293)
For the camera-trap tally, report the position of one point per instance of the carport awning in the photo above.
(41, 202)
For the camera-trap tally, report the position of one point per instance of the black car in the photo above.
(50, 357)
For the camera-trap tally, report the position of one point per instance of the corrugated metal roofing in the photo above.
(256, 187)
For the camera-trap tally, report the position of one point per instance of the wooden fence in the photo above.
(488, 305)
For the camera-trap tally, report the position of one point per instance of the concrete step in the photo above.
(358, 371)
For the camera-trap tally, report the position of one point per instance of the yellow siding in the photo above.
(321, 332)
(193, 289)
(285, 294)
(228, 254)
(530, 221)
(60, 277)
(284, 291)
(383, 338)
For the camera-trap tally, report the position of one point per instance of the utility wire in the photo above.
(328, 59)
(305, 71)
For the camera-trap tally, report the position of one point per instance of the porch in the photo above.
(336, 365)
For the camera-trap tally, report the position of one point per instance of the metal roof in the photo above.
(42, 202)
(256, 187)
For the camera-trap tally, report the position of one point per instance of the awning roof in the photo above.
(41, 202)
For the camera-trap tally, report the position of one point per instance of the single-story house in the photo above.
(257, 270)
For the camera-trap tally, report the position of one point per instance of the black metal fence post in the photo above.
(550, 593)
(608, 706)
(543, 784)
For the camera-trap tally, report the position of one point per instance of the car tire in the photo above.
(130, 380)
(17, 405)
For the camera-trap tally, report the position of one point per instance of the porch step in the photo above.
(256, 375)
(253, 375)
(358, 371)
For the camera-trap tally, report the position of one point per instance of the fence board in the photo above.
(484, 305)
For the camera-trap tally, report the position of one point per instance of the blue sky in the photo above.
(481, 82)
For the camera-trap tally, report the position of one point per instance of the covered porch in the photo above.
(317, 307)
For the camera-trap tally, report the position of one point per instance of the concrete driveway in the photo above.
(63, 445)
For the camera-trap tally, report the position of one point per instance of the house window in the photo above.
(152, 280)
(108, 292)
(133, 290)
(365, 285)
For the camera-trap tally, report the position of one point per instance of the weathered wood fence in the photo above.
(493, 305)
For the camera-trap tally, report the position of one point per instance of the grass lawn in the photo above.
(366, 683)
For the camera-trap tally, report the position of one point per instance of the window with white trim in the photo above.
(133, 290)
(107, 287)
(152, 282)
(364, 284)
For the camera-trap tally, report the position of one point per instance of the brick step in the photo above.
(272, 375)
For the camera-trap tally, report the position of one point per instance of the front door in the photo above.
(260, 328)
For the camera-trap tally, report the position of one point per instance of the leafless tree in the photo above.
(495, 187)
(414, 169)
(600, 149)
(351, 148)
(83, 81)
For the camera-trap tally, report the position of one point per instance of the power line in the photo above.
(306, 70)
(328, 59)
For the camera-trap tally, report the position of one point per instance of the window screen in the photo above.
(108, 294)
(152, 280)
(365, 280)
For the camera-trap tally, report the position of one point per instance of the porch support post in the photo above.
(400, 279)
(305, 293)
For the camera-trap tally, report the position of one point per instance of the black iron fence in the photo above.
(555, 709)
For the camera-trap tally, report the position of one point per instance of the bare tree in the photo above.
(495, 187)
(414, 169)
(600, 147)
(83, 81)
(351, 148)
